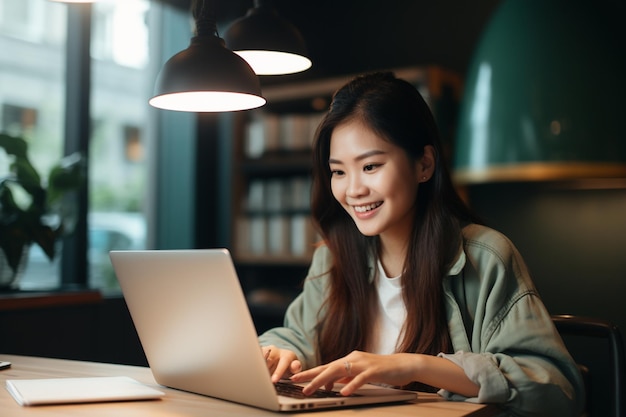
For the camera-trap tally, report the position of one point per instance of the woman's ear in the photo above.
(426, 164)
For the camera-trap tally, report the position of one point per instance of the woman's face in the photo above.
(375, 181)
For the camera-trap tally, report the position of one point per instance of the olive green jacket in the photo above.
(502, 334)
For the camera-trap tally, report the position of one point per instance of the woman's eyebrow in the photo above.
(365, 155)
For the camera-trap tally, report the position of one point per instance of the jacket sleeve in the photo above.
(517, 356)
(298, 332)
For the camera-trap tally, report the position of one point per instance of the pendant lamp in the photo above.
(269, 43)
(544, 95)
(207, 77)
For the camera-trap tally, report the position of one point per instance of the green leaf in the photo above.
(12, 242)
(27, 176)
(22, 226)
(68, 175)
(45, 237)
(8, 206)
(13, 145)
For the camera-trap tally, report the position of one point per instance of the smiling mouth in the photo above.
(368, 207)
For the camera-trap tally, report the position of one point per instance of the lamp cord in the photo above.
(204, 16)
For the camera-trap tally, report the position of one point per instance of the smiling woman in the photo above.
(376, 182)
(409, 288)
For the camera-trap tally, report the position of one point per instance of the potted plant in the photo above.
(32, 210)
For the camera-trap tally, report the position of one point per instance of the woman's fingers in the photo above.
(281, 362)
(340, 371)
(296, 366)
(357, 369)
(281, 368)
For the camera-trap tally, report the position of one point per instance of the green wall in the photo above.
(573, 238)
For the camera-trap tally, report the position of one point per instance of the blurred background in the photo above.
(75, 77)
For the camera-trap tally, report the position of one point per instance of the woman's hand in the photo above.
(359, 368)
(282, 363)
(399, 369)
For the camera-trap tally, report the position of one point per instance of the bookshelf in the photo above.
(272, 235)
(273, 224)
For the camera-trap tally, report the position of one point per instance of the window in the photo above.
(119, 95)
(32, 95)
(32, 104)
(133, 148)
(18, 120)
(120, 34)
(22, 19)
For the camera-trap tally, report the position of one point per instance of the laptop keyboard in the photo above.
(295, 391)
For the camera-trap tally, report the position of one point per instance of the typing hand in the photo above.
(282, 363)
(359, 368)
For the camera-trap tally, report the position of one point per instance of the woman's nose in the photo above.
(356, 187)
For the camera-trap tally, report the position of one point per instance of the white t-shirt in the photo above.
(391, 313)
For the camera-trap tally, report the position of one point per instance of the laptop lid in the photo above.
(196, 330)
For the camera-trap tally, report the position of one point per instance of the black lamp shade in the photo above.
(269, 43)
(207, 77)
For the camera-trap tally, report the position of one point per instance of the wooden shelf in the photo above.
(21, 300)
(272, 260)
(279, 164)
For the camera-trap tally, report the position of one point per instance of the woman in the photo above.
(409, 289)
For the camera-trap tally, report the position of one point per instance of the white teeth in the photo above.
(363, 209)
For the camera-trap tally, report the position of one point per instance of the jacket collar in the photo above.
(455, 269)
(459, 263)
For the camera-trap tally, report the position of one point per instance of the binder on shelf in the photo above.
(275, 198)
(262, 134)
(299, 193)
(294, 132)
(314, 121)
(278, 235)
(255, 138)
(255, 199)
(272, 133)
(257, 235)
(242, 235)
(303, 236)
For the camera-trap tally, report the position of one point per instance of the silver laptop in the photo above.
(197, 333)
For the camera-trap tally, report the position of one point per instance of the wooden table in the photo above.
(182, 404)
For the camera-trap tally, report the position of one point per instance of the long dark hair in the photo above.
(394, 109)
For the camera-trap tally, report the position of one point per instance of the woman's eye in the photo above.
(335, 172)
(370, 167)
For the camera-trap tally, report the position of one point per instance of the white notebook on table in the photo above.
(79, 390)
